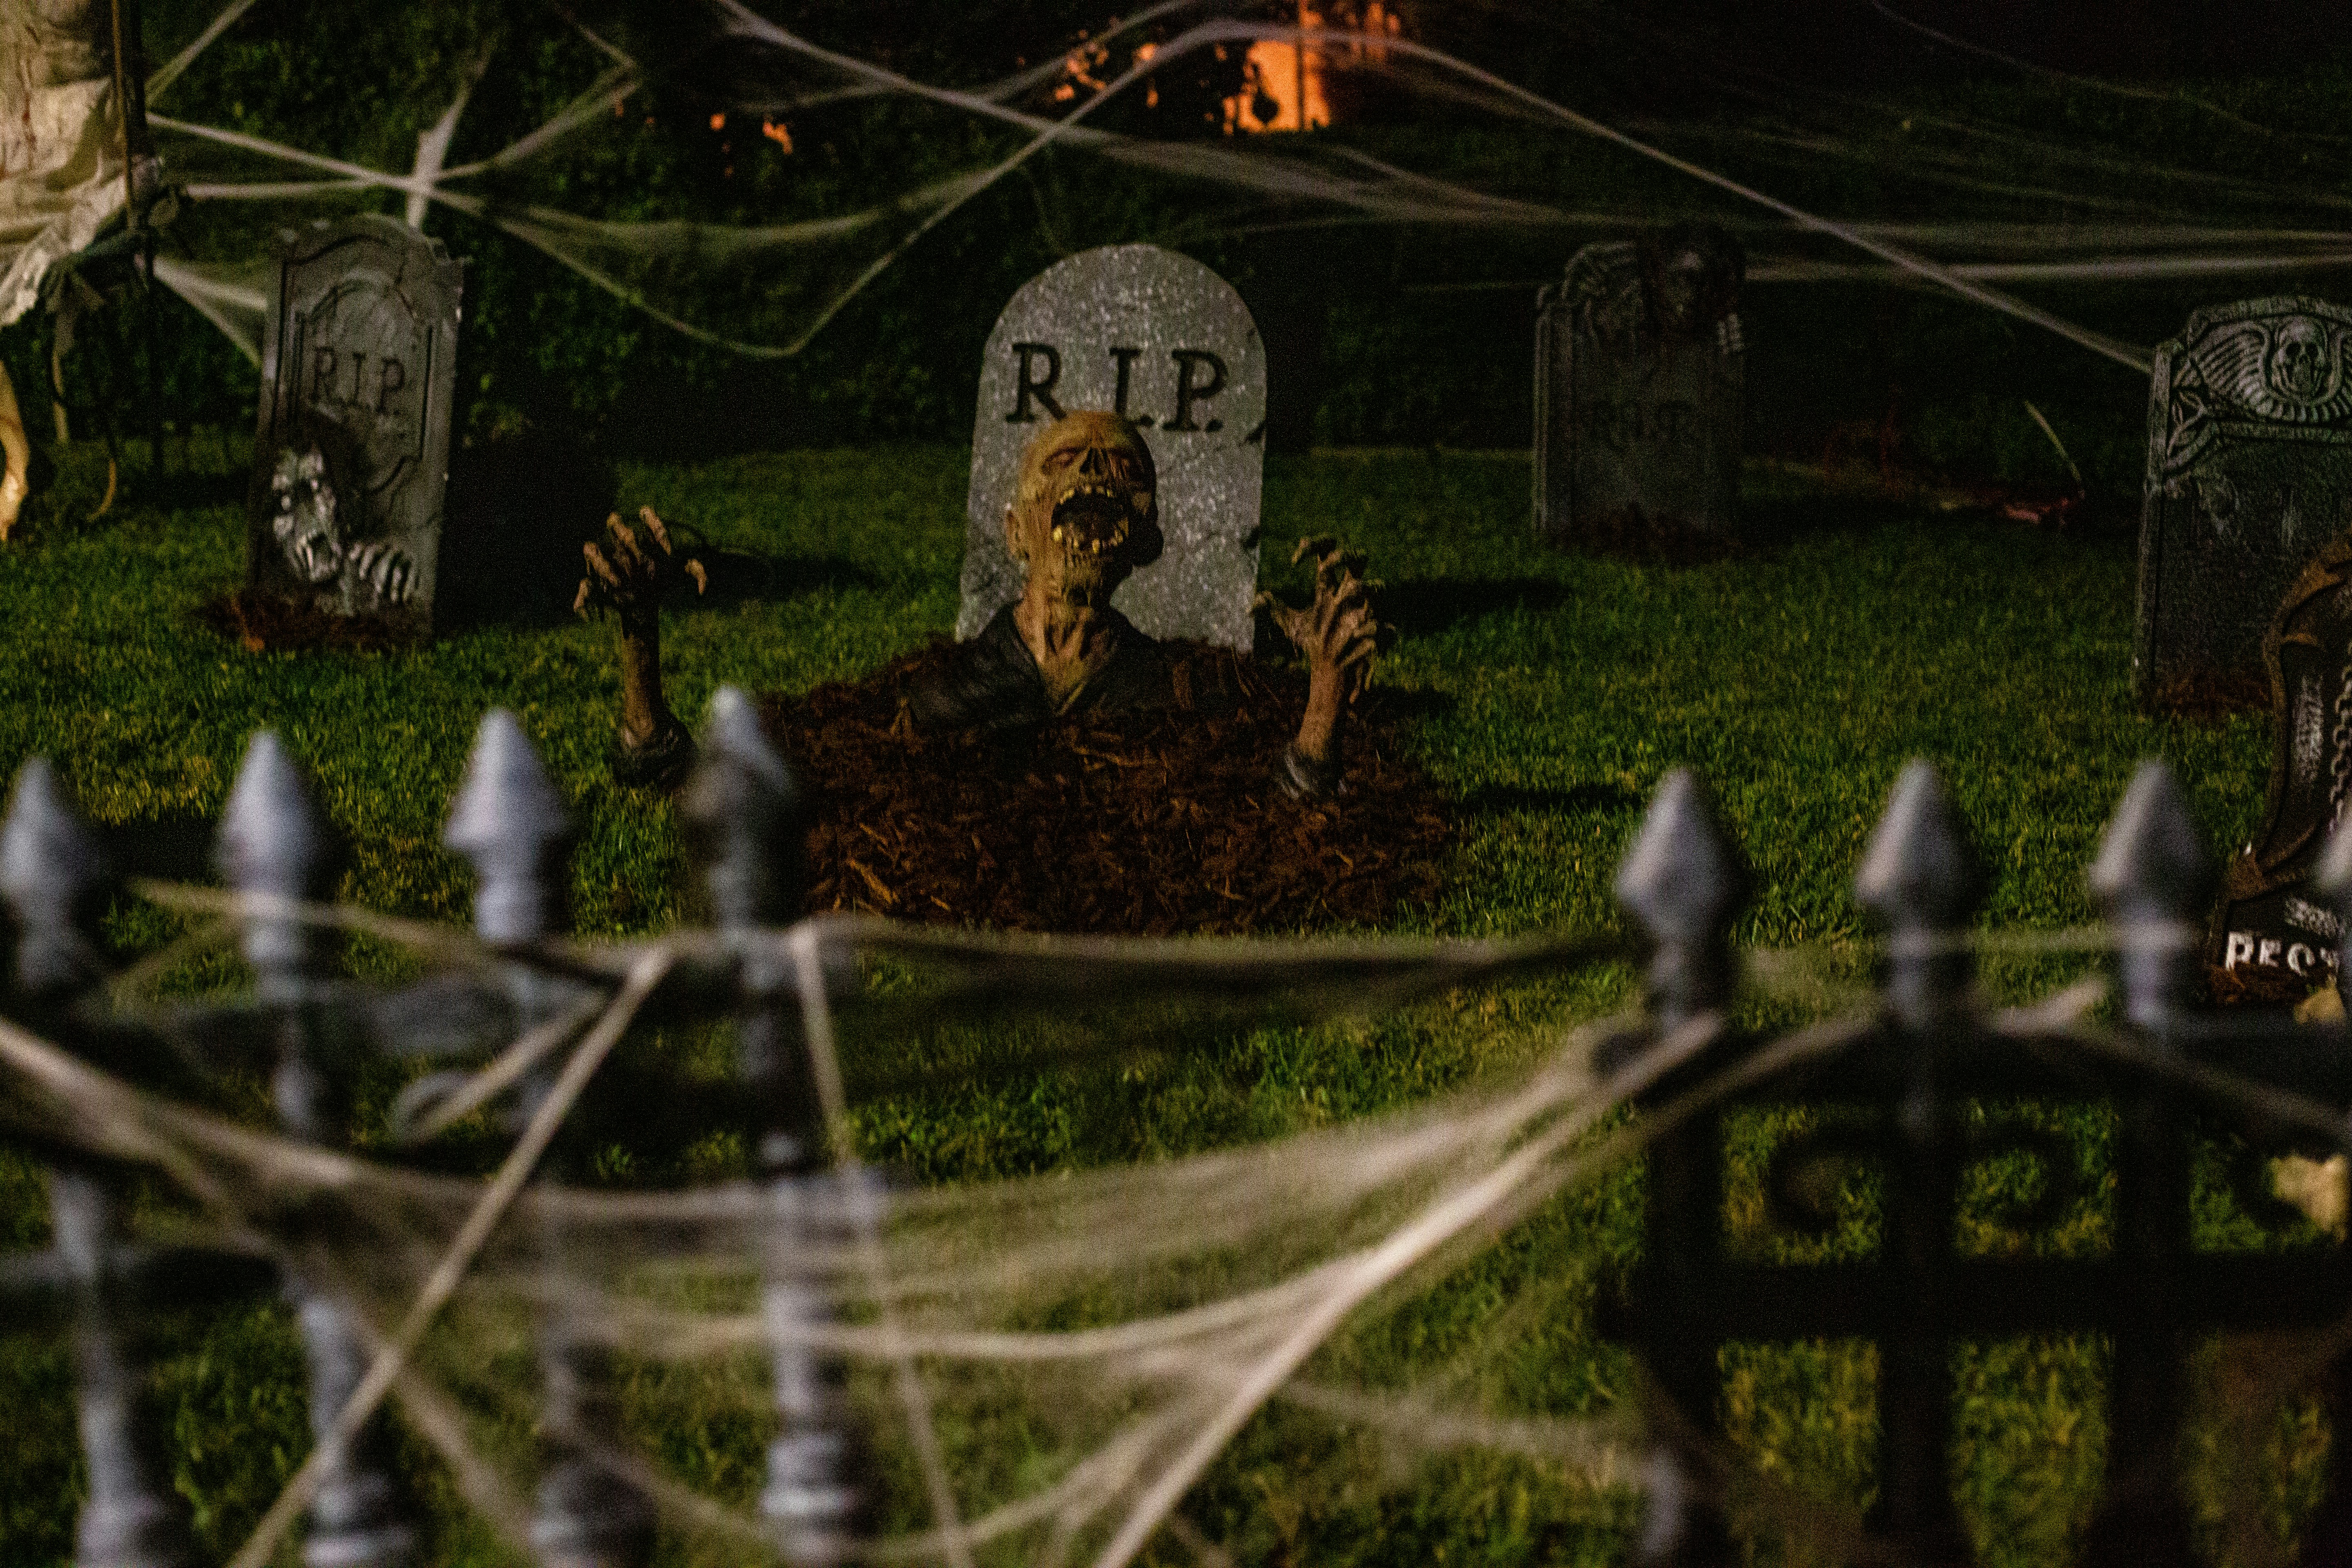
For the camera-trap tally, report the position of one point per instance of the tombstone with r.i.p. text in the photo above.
(1163, 341)
(358, 372)
(1639, 392)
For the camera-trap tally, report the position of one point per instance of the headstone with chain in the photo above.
(1640, 392)
(358, 371)
(2272, 931)
(2249, 474)
(1162, 340)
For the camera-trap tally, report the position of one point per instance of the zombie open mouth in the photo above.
(1091, 521)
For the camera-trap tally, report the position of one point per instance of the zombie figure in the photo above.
(630, 580)
(1678, 285)
(1085, 515)
(360, 576)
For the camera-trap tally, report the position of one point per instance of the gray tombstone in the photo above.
(358, 369)
(2271, 929)
(1160, 338)
(2249, 473)
(1640, 390)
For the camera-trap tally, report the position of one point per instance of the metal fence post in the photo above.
(508, 821)
(743, 813)
(2327, 1539)
(1683, 882)
(2154, 878)
(1919, 879)
(55, 882)
(273, 846)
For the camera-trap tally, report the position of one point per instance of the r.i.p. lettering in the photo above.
(1029, 386)
(1200, 376)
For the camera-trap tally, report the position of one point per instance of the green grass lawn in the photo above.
(1547, 693)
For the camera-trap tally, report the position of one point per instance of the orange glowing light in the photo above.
(776, 133)
(1275, 74)
(1279, 73)
(718, 122)
(1143, 53)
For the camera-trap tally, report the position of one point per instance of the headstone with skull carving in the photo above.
(358, 369)
(1640, 390)
(2249, 474)
(1159, 338)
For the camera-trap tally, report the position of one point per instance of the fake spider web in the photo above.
(1045, 1370)
(1969, 227)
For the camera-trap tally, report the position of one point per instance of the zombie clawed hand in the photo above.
(1339, 636)
(630, 580)
(633, 578)
(1339, 631)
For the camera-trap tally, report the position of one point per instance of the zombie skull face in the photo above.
(361, 575)
(305, 521)
(1691, 274)
(2298, 367)
(1086, 508)
(1682, 294)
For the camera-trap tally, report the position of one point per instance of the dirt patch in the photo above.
(1646, 539)
(264, 622)
(1147, 823)
(2249, 986)
(2210, 699)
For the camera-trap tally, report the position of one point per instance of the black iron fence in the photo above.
(1892, 1090)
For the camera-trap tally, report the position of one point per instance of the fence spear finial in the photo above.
(510, 823)
(2332, 877)
(272, 843)
(1684, 880)
(742, 811)
(1922, 881)
(2154, 874)
(53, 875)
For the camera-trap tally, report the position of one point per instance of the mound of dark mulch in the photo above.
(2209, 699)
(2250, 985)
(264, 623)
(1144, 822)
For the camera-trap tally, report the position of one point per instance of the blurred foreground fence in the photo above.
(1892, 1088)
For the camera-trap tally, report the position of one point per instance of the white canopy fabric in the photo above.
(60, 140)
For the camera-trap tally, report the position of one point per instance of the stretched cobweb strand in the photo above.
(120, 1116)
(512, 1173)
(1435, 1225)
(816, 1027)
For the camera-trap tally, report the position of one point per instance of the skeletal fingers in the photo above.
(625, 572)
(1338, 629)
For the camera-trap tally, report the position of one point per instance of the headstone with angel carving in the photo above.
(1639, 392)
(2249, 475)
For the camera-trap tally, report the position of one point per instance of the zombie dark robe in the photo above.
(992, 683)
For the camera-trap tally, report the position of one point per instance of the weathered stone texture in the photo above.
(1639, 390)
(359, 368)
(1158, 337)
(2249, 474)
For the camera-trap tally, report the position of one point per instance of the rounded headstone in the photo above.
(1161, 338)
